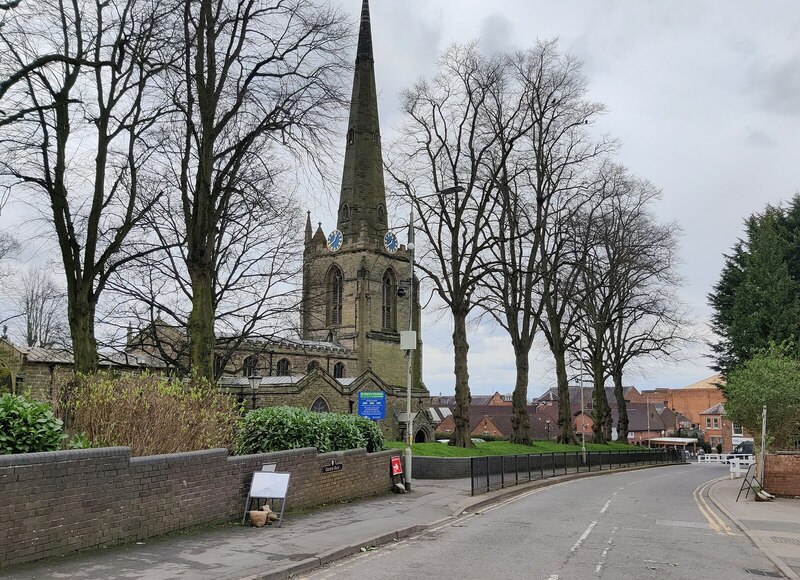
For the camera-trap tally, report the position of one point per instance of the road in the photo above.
(656, 523)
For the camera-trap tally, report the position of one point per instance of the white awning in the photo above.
(673, 440)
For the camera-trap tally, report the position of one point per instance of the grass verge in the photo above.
(504, 448)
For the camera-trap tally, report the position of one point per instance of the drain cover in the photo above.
(763, 573)
(782, 540)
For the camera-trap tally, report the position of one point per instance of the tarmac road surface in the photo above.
(656, 523)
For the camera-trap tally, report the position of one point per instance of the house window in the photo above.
(708, 422)
(320, 406)
(282, 368)
(312, 365)
(389, 302)
(737, 429)
(335, 292)
(338, 370)
(716, 423)
(250, 366)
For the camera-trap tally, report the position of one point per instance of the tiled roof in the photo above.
(718, 409)
(61, 356)
(265, 381)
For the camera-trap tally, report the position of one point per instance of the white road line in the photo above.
(605, 507)
(553, 577)
(583, 536)
(602, 561)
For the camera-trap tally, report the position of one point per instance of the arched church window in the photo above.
(338, 370)
(282, 368)
(320, 405)
(250, 366)
(335, 292)
(345, 213)
(389, 301)
(351, 137)
(312, 365)
(381, 212)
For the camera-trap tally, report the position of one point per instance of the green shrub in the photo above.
(372, 434)
(150, 413)
(279, 428)
(343, 433)
(27, 426)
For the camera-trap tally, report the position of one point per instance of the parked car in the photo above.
(744, 448)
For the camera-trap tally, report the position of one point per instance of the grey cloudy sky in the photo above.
(703, 95)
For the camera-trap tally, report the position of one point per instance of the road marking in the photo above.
(603, 556)
(605, 507)
(583, 536)
(715, 520)
(553, 577)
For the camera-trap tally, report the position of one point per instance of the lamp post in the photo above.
(255, 382)
(412, 342)
(547, 428)
(580, 386)
(647, 408)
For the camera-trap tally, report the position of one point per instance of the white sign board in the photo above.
(408, 339)
(268, 485)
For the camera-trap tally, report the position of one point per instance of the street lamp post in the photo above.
(412, 335)
(255, 383)
(647, 408)
(580, 386)
(547, 428)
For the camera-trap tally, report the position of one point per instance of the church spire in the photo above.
(363, 197)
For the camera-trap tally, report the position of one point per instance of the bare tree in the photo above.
(78, 122)
(254, 77)
(562, 160)
(448, 139)
(255, 281)
(43, 309)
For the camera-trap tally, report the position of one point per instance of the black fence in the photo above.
(497, 471)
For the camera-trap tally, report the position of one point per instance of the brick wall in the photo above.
(58, 502)
(782, 474)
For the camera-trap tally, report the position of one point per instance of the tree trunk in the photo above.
(201, 322)
(622, 407)
(81, 311)
(461, 434)
(566, 433)
(600, 404)
(520, 420)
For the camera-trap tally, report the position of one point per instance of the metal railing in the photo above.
(498, 471)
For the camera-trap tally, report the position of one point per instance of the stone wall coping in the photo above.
(19, 459)
(785, 453)
(179, 457)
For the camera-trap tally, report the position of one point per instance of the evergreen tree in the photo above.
(757, 299)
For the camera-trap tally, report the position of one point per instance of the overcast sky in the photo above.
(704, 97)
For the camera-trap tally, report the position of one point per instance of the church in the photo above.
(357, 297)
(356, 293)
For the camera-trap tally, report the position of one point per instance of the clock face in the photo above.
(335, 240)
(390, 242)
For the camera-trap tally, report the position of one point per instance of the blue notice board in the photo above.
(372, 405)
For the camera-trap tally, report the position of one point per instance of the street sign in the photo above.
(372, 405)
(397, 466)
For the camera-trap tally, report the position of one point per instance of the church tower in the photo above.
(352, 276)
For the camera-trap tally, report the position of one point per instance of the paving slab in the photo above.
(773, 526)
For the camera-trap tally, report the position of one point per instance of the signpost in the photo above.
(372, 405)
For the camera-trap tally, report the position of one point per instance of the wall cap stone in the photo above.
(64, 455)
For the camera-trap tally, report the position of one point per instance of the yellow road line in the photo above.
(714, 519)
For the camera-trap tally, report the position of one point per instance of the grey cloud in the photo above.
(496, 33)
(776, 85)
(758, 138)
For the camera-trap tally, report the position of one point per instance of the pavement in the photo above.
(774, 526)
(310, 539)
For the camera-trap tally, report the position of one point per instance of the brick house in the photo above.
(716, 428)
(497, 421)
